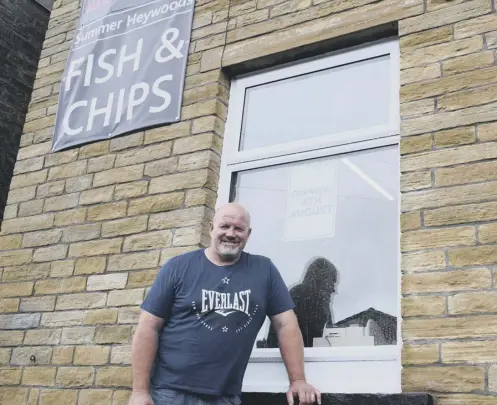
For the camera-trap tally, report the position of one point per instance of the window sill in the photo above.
(333, 354)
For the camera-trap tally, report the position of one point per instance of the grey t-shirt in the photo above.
(213, 314)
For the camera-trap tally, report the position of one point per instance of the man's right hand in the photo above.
(141, 398)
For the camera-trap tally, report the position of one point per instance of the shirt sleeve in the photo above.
(160, 299)
(279, 299)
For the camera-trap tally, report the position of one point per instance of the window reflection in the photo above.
(331, 227)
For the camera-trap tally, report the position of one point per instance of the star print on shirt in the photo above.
(226, 280)
(225, 329)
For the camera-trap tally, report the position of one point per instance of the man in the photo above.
(201, 317)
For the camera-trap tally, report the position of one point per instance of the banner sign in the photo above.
(125, 71)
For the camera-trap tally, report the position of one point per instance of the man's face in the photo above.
(229, 234)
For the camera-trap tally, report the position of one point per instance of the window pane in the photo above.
(336, 212)
(331, 101)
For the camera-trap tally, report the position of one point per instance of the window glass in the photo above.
(331, 101)
(330, 225)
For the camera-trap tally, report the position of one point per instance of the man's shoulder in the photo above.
(258, 260)
(184, 257)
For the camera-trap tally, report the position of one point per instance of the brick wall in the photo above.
(22, 29)
(87, 229)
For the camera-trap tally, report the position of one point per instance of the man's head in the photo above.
(230, 230)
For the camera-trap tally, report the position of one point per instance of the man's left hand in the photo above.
(305, 392)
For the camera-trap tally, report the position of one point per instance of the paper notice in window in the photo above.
(311, 201)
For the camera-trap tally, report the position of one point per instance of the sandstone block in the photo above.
(13, 395)
(471, 173)
(468, 352)
(121, 355)
(94, 149)
(48, 254)
(454, 137)
(21, 194)
(95, 397)
(40, 149)
(161, 167)
(419, 354)
(447, 196)
(113, 334)
(114, 376)
(95, 247)
(444, 379)
(50, 189)
(461, 214)
(467, 98)
(36, 337)
(473, 256)
(69, 170)
(444, 16)
(473, 303)
(28, 179)
(81, 233)
(107, 211)
(147, 241)
(126, 297)
(30, 208)
(125, 226)
(60, 158)
(70, 217)
(450, 328)
(107, 282)
(19, 321)
(59, 319)
(177, 218)
(159, 203)
(423, 306)
(211, 59)
(91, 355)
(90, 265)
(29, 165)
(101, 163)
(129, 315)
(60, 286)
(133, 261)
(37, 304)
(21, 355)
(27, 224)
(62, 268)
(146, 154)
(468, 62)
(81, 301)
(10, 375)
(475, 26)
(492, 378)
(62, 354)
(9, 305)
(26, 272)
(100, 316)
(75, 376)
(141, 278)
(410, 221)
(457, 280)
(42, 238)
(487, 132)
(420, 73)
(130, 190)
(41, 376)
(78, 335)
(11, 338)
(446, 84)
(54, 396)
(189, 236)
(16, 289)
(438, 238)
(126, 142)
(119, 175)
(415, 180)
(97, 195)
(167, 132)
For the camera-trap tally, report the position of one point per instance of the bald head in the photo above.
(233, 211)
(230, 230)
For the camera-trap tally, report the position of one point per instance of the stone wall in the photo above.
(87, 229)
(23, 24)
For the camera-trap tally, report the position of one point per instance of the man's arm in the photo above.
(292, 351)
(290, 344)
(144, 349)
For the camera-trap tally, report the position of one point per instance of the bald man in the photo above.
(199, 322)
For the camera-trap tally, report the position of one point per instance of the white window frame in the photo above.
(233, 160)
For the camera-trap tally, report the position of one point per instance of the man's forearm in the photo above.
(143, 352)
(292, 351)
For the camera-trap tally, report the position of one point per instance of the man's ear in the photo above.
(249, 232)
(211, 226)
